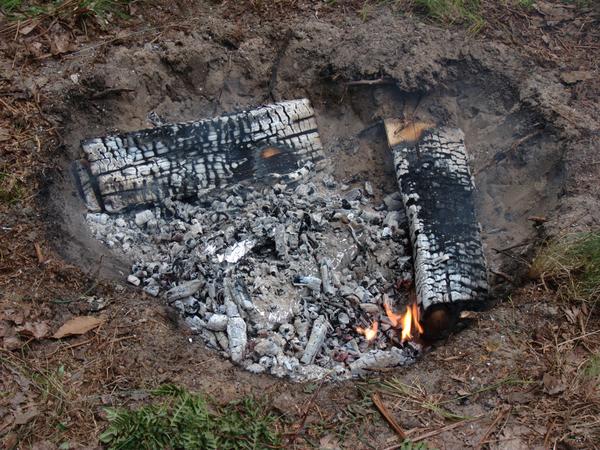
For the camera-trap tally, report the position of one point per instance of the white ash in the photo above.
(277, 277)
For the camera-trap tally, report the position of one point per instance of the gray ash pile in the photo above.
(277, 277)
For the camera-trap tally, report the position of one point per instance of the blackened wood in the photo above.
(438, 194)
(186, 160)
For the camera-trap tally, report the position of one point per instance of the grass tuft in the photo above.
(184, 420)
(591, 369)
(10, 189)
(63, 9)
(572, 264)
(453, 12)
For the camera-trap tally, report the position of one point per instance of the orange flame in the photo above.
(370, 332)
(409, 321)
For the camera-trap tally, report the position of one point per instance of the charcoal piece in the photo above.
(236, 333)
(132, 279)
(217, 322)
(313, 283)
(438, 195)
(185, 160)
(185, 289)
(267, 347)
(328, 288)
(380, 359)
(287, 330)
(279, 235)
(222, 340)
(316, 340)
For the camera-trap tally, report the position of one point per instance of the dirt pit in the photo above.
(353, 83)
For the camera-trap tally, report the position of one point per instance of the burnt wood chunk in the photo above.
(186, 160)
(438, 194)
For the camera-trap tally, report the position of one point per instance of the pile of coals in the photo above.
(277, 277)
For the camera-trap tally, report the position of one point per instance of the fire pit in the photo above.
(239, 225)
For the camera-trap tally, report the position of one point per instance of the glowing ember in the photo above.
(409, 321)
(370, 332)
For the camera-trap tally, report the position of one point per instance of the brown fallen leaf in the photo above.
(6, 329)
(576, 76)
(23, 417)
(329, 442)
(11, 343)
(553, 385)
(77, 325)
(37, 330)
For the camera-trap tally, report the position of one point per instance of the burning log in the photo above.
(438, 195)
(186, 160)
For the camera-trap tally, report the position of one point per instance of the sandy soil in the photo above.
(511, 379)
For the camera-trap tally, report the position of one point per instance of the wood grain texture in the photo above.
(186, 160)
(438, 193)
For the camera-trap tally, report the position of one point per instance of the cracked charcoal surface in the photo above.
(275, 278)
(184, 160)
(437, 191)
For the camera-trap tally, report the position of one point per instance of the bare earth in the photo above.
(525, 91)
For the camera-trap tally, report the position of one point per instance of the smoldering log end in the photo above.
(439, 321)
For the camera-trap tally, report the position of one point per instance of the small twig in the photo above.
(109, 92)
(579, 337)
(512, 148)
(502, 275)
(311, 400)
(512, 247)
(538, 220)
(38, 253)
(490, 428)
(443, 429)
(376, 82)
(387, 415)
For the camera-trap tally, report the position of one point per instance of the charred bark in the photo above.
(438, 194)
(186, 160)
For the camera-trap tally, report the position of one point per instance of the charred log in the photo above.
(438, 194)
(186, 160)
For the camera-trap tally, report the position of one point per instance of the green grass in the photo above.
(591, 370)
(11, 190)
(453, 12)
(572, 264)
(179, 419)
(526, 4)
(21, 10)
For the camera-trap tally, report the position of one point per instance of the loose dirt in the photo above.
(504, 379)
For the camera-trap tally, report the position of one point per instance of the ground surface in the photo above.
(525, 89)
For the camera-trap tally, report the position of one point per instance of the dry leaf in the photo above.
(25, 30)
(22, 417)
(576, 76)
(60, 43)
(11, 343)
(77, 325)
(553, 385)
(37, 330)
(329, 442)
(6, 329)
